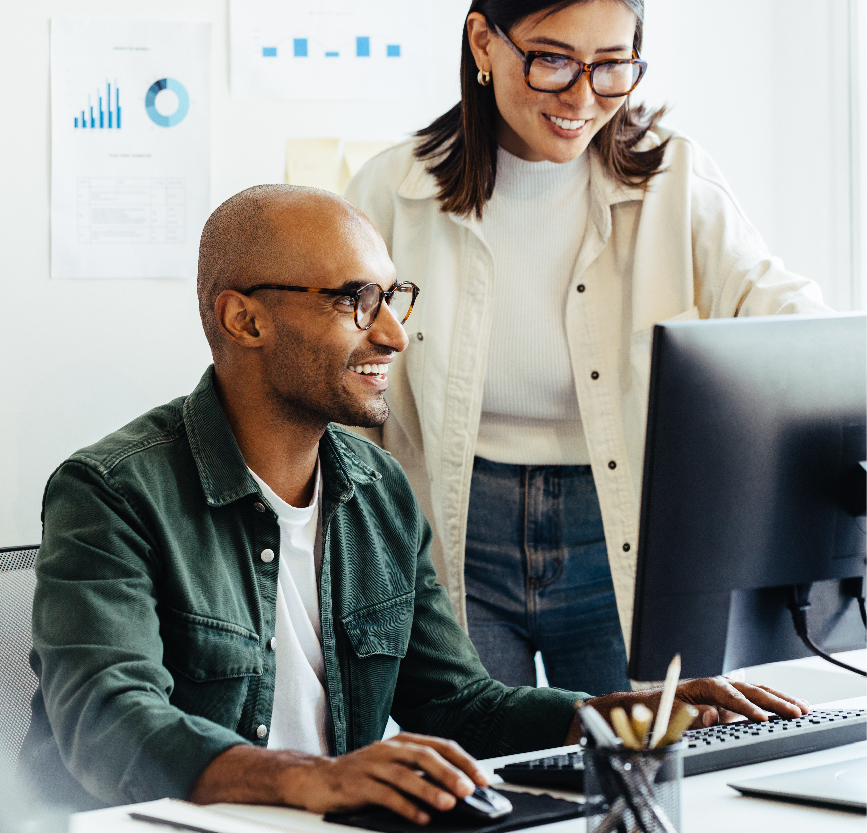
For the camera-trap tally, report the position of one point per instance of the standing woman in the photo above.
(549, 226)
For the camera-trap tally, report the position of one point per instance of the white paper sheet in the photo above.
(130, 147)
(317, 163)
(327, 163)
(330, 49)
(358, 153)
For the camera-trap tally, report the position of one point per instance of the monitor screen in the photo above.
(753, 482)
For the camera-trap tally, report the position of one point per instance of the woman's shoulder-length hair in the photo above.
(460, 146)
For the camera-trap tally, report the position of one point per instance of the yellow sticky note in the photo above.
(317, 163)
(357, 153)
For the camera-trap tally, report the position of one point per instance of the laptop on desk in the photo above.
(841, 785)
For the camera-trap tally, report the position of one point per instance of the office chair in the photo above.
(17, 680)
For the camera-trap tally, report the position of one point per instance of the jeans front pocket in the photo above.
(212, 663)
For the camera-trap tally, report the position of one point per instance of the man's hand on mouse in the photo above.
(400, 773)
(718, 700)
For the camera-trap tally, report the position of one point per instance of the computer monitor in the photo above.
(753, 483)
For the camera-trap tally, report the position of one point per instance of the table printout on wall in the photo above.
(332, 50)
(130, 147)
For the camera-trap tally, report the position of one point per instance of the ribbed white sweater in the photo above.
(534, 224)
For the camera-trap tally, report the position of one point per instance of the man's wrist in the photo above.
(604, 704)
(298, 777)
(245, 774)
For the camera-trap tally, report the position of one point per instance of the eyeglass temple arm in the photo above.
(509, 42)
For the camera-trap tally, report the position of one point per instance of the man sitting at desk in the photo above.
(234, 593)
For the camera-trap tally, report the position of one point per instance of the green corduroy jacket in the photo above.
(154, 609)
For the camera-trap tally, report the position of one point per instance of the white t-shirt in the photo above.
(301, 719)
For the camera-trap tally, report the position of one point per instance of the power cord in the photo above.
(854, 587)
(799, 602)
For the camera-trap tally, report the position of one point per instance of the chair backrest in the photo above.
(17, 680)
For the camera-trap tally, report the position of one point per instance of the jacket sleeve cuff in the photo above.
(170, 761)
(540, 719)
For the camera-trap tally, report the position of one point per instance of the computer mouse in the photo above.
(484, 804)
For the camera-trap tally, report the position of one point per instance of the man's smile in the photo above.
(370, 369)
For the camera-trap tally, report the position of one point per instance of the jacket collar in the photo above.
(222, 468)
(605, 191)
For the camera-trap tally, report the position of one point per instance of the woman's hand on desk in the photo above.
(398, 773)
(718, 700)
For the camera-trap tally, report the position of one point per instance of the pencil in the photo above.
(666, 701)
(678, 725)
(642, 718)
(623, 727)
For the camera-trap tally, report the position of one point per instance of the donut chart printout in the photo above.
(130, 147)
(178, 113)
(331, 50)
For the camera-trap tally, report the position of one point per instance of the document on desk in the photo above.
(164, 815)
(340, 50)
(130, 147)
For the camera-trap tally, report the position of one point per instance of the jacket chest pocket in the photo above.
(378, 638)
(382, 629)
(212, 664)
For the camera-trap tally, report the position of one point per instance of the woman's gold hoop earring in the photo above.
(484, 78)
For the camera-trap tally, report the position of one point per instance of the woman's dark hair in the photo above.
(461, 144)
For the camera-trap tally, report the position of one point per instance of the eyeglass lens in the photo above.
(368, 304)
(554, 72)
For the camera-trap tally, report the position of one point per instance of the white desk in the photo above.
(709, 805)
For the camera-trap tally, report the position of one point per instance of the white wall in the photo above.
(81, 358)
(764, 86)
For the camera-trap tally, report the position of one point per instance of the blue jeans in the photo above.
(537, 578)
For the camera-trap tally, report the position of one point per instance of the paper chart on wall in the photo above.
(330, 49)
(130, 147)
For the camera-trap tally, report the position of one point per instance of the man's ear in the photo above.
(240, 318)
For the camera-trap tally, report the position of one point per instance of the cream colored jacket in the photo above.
(683, 249)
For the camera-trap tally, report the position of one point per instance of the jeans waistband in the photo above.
(480, 464)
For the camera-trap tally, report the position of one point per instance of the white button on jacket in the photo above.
(682, 249)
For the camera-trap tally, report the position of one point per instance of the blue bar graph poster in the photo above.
(130, 140)
(339, 50)
(107, 109)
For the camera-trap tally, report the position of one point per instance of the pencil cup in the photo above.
(633, 790)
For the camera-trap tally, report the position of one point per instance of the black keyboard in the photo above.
(717, 747)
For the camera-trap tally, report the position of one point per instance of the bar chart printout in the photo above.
(104, 117)
(362, 49)
(130, 147)
(345, 49)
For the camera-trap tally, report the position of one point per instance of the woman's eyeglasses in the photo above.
(366, 301)
(548, 72)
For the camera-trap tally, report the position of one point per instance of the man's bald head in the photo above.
(271, 234)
